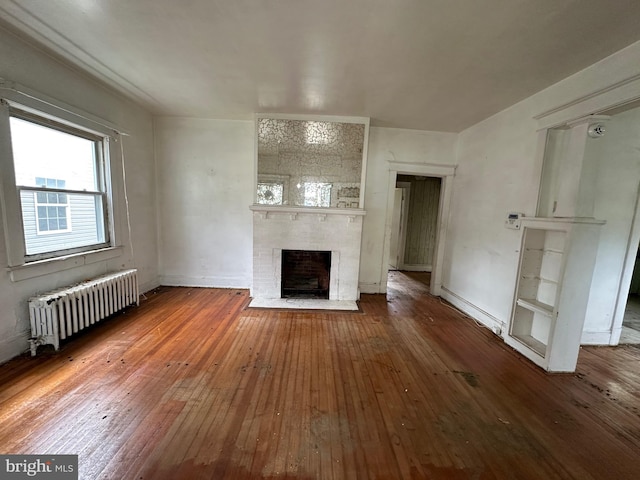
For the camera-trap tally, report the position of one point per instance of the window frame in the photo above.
(51, 113)
(99, 192)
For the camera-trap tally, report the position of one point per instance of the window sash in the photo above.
(101, 227)
(43, 212)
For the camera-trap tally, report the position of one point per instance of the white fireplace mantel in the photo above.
(277, 228)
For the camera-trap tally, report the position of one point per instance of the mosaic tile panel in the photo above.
(278, 136)
(309, 153)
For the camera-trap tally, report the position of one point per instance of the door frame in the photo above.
(402, 222)
(624, 284)
(446, 174)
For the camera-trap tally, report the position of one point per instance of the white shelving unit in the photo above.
(554, 276)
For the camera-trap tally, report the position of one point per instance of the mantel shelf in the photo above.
(351, 212)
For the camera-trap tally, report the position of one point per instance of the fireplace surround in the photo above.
(334, 230)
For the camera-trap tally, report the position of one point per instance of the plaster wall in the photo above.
(206, 178)
(21, 63)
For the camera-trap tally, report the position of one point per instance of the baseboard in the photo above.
(416, 268)
(595, 338)
(148, 286)
(494, 324)
(369, 288)
(14, 346)
(211, 282)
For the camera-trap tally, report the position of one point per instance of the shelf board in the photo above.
(533, 343)
(535, 306)
(538, 277)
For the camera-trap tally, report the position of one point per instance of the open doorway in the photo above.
(444, 174)
(414, 223)
(631, 321)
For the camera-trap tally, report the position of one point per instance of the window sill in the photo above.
(54, 265)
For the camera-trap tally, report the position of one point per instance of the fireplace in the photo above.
(334, 233)
(305, 273)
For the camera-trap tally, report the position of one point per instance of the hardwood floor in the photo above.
(192, 384)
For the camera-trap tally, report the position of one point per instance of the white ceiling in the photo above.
(425, 64)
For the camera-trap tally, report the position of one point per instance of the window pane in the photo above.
(58, 158)
(41, 197)
(60, 227)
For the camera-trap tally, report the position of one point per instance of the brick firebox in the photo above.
(305, 274)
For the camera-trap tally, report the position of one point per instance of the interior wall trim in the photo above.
(615, 95)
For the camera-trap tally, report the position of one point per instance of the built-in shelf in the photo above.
(532, 343)
(547, 318)
(537, 292)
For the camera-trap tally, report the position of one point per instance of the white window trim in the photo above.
(13, 96)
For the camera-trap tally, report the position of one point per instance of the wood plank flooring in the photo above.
(194, 385)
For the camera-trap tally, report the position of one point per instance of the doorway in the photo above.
(631, 321)
(443, 174)
(414, 223)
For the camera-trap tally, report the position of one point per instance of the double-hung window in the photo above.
(60, 174)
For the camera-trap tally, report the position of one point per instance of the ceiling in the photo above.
(425, 64)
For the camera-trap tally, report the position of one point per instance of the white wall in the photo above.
(498, 171)
(206, 178)
(22, 64)
(496, 174)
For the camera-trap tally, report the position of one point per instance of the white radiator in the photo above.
(59, 314)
